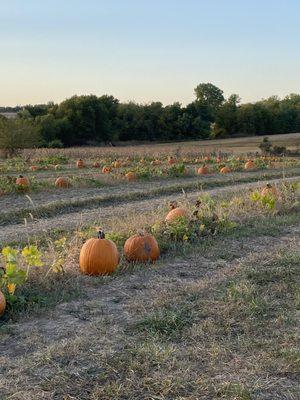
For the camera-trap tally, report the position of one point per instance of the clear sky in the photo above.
(146, 50)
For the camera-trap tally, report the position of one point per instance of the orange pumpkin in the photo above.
(141, 247)
(131, 176)
(80, 163)
(117, 164)
(207, 158)
(269, 190)
(175, 213)
(98, 256)
(2, 304)
(62, 182)
(34, 168)
(106, 169)
(155, 162)
(22, 181)
(203, 170)
(249, 164)
(171, 160)
(96, 165)
(225, 170)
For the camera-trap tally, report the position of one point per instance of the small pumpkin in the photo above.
(225, 170)
(175, 212)
(269, 190)
(2, 304)
(22, 181)
(106, 169)
(207, 158)
(62, 182)
(171, 160)
(99, 256)
(141, 247)
(249, 164)
(155, 162)
(203, 170)
(131, 176)
(117, 164)
(80, 163)
(96, 165)
(34, 168)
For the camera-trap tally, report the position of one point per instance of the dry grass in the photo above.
(194, 148)
(211, 324)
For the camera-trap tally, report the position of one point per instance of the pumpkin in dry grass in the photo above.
(131, 176)
(96, 165)
(62, 182)
(117, 164)
(34, 168)
(269, 190)
(203, 170)
(99, 256)
(225, 170)
(155, 162)
(207, 158)
(175, 212)
(2, 304)
(106, 169)
(249, 164)
(80, 163)
(141, 247)
(22, 181)
(171, 160)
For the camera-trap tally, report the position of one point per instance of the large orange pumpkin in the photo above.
(80, 163)
(2, 304)
(269, 190)
(62, 182)
(203, 170)
(249, 164)
(131, 176)
(225, 170)
(22, 181)
(141, 247)
(98, 256)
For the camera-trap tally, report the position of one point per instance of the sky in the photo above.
(147, 50)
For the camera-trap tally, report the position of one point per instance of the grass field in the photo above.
(216, 317)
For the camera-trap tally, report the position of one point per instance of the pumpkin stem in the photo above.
(101, 234)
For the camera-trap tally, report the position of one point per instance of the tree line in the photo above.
(89, 119)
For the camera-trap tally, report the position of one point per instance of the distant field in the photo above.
(232, 145)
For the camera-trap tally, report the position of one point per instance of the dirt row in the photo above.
(50, 197)
(101, 216)
(49, 357)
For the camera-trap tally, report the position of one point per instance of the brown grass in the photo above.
(194, 148)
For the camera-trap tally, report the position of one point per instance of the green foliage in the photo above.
(16, 270)
(16, 134)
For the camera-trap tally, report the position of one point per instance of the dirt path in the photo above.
(62, 355)
(102, 215)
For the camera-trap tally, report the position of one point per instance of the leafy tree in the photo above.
(16, 134)
(209, 94)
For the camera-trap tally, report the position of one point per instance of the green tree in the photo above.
(209, 94)
(17, 134)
